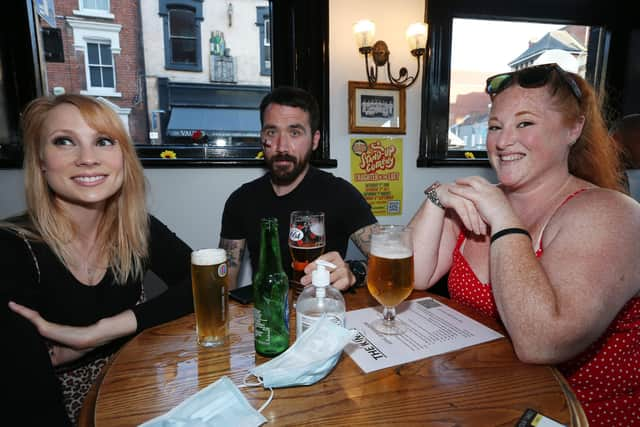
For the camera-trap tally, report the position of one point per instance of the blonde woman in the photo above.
(72, 265)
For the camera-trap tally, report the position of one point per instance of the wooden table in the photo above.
(477, 386)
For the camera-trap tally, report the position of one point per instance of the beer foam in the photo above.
(391, 251)
(208, 256)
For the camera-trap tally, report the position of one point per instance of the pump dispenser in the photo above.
(319, 299)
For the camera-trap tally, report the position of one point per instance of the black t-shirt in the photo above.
(346, 211)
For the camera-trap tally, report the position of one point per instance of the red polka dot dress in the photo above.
(605, 377)
(465, 287)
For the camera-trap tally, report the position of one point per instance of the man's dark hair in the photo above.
(293, 97)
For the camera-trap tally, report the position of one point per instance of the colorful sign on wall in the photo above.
(376, 171)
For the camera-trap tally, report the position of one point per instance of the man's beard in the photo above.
(282, 176)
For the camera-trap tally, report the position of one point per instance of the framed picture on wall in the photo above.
(376, 109)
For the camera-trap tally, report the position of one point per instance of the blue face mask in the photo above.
(219, 404)
(307, 361)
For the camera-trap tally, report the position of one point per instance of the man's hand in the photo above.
(341, 277)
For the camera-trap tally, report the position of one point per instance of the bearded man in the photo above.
(290, 119)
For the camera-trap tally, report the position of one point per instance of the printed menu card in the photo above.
(432, 328)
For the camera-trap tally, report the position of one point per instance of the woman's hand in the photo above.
(78, 338)
(464, 207)
(81, 339)
(488, 200)
(60, 354)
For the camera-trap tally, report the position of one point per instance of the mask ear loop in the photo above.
(265, 404)
(245, 383)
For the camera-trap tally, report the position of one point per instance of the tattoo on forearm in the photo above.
(362, 238)
(235, 251)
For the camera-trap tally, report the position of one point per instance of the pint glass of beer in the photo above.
(390, 273)
(209, 284)
(306, 243)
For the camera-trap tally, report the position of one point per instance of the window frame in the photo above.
(100, 90)
(165, 7)
(91, 32)
(94, 13)
(83, 7)
(606, 69)
(290, 22)
(263, 38)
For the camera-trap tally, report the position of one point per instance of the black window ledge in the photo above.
(185, 67)
(221, 163)
(11, 158)
(208, 155)
(424, 162)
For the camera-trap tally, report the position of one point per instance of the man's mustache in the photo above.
(283, 157)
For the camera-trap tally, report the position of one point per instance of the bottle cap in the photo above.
(321, 277)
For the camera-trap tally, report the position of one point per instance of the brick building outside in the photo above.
(101, 44)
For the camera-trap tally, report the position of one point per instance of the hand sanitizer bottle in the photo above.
(319, 299)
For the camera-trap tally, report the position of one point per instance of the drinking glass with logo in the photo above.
(209, 285)
(306, 243)
(390, 274)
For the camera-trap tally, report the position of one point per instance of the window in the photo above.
(182, 36)
(454, 106)
(99, 42)
(200, 118)
(95, 4)
(94, 8)
(100, 66)
(471, 64)
(264, 24)
(172, 108)
(4, 119)
(181, 21)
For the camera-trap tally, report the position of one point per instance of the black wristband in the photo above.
(359, 270)
(505, 231)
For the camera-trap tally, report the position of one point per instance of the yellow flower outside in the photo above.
(168, 154)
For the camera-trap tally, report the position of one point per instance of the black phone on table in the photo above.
(243, 294)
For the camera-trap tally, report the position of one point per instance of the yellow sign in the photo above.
(376, 171)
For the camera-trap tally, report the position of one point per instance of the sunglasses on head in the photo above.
(531, 77)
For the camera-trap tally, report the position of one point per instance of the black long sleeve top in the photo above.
(51, 289)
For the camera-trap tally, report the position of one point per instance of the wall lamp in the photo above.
(364, 32)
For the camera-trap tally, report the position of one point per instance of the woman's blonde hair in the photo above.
(595, 156)
(123, 234)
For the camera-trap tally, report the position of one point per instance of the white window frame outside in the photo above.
(99, 89)
(90, 32)
(263, 21)
(94, 13)
(267, 35)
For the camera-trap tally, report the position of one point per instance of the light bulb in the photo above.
(417, 35)
(364, 31)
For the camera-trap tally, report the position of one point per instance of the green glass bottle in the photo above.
(270, 289)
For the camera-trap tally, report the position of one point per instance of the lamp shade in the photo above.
(364, 31)
(417, 35)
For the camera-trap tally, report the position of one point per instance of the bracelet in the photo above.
(505, 231)
(432, 195)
